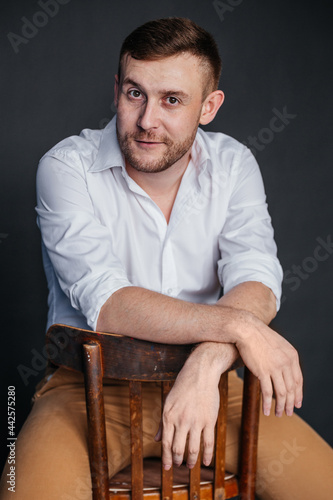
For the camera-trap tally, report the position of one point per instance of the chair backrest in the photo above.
(119, 357)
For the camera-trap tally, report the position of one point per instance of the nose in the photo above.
(149, 117)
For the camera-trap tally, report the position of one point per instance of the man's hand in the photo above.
(192, 405)
(272, 359)
(267, 355)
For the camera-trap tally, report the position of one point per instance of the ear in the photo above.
(210, 107)
(116, 90)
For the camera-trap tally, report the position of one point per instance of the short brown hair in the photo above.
(171, 36)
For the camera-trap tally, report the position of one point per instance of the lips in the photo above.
(148, 144)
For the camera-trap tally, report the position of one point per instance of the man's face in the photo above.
(159, 106)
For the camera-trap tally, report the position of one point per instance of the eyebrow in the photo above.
(177, 93)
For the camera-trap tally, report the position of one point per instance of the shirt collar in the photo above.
(199, 153)
(109, 154)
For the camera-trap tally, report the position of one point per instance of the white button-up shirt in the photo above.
(101, 231)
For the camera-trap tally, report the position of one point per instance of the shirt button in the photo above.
(169, 291)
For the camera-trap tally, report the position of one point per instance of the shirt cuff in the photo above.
(91, 308)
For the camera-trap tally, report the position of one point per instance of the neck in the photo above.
(162, 187)
(160, 184)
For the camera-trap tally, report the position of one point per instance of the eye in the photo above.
(134, 93)
(172, 100)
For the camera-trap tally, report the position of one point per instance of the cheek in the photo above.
(182, 127)
(125, 118)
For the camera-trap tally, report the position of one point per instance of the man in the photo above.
(141, 225)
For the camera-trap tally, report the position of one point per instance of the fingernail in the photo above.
(167, 467)
(266, 412)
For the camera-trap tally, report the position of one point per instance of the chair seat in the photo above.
(120, 484)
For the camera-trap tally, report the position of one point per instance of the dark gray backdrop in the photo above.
(57, 78)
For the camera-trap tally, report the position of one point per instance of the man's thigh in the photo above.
(117, 417)
(52, 456)
(51, 451)
(293, 460)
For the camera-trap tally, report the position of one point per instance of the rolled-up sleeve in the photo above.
(246, 243)
(79, 246)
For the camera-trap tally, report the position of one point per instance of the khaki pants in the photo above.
(52, 458)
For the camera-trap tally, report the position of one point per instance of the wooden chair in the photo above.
(100, 355)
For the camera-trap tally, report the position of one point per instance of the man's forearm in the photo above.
(239, 318)
(148, 315)
(253, 297)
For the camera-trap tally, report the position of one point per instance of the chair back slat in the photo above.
(92, 361)
(135, 394)
(220, 439)
(167, 475)
(195, 480)
(249, 435)
(144, 360)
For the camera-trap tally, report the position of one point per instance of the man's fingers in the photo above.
(193, 448)
(280, 391)
(267, 394)
(290, 392)
(298, 377)
(208, 437)
(167, 439)
(178, 446)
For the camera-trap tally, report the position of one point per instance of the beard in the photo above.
(174, 150)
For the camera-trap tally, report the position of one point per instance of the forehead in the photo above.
(183, 71)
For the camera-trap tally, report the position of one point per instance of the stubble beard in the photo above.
(175, 151)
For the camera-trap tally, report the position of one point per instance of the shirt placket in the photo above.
(169, 278)
(169, 282)
(169, 271)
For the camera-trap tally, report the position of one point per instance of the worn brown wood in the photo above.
(142, 357)
(136, 439)
(249, 436)
(152, 475)
(148, 361)
(180, 492)
(195, 480)
(167, 475)
(220, 440)
(121, 482)
(92, 362)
